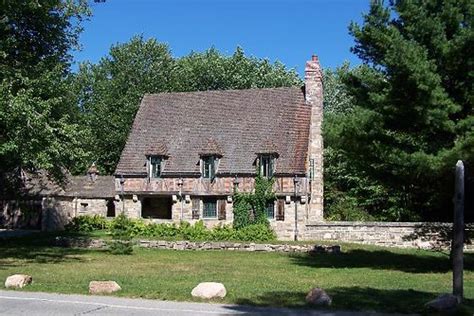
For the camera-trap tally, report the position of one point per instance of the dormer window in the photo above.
(155, 164)
(208, 164)
(267, 165)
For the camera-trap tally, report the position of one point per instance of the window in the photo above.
(210, 208)
(155, 167)
(270, 210)
(266, 166)
(208, 167)
(83, 208)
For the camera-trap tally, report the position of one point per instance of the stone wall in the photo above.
(201, 245)
(393, 234)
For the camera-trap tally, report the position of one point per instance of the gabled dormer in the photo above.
(156, 155)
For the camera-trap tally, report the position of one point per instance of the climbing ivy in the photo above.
(249, 208)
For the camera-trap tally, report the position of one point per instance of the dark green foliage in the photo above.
(88, 223)
(110, 91)
(249, 208)
(38, 115)
(413, 111)
(255, 232)
(120, 230)
(199, 232)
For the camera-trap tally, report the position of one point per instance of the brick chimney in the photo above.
(314, 98)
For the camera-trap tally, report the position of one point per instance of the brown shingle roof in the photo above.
(82, 186)
(239, 123)
(39, 184)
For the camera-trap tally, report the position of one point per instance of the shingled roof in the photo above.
(237, 123)
(39, 184)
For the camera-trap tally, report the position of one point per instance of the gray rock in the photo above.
(103, 287)
(209, 290)
(18, 281)
(444, 302)
(319, 297)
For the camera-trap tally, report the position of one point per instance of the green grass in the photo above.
(361, 278)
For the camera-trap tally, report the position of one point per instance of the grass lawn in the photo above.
(361, 278)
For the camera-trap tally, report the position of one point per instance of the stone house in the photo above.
(37, 201)
(187, 152)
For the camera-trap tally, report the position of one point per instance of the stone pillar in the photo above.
(314, 98)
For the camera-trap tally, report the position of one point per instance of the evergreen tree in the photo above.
(414, 103)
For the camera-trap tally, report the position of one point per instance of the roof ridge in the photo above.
(219, 91)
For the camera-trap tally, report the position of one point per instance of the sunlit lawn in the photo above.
(361, 278)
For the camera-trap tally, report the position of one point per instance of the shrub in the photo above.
(121, 230)
(255, 232)
(223, 232)
(87, 223)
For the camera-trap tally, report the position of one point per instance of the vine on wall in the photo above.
(249, 208)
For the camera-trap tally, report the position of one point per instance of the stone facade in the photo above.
(59, 210)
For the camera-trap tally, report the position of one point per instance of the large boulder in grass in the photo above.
(17, 281)
(319, 297)
(209, 290)
(103, 287)
(443, 303)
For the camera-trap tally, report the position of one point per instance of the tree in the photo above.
(109, 94)
(110, 91)
(37, 113)
(413, 115)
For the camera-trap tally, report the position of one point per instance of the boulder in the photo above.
(209, 290)
(103, 287)
(17, 281)
(318, 296)
(444, 302)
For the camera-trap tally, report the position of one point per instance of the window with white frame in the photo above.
(267, 166)
(155, 164)
(208, 164)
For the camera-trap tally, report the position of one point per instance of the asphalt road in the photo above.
(34, 303)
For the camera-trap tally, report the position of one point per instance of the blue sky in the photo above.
(285, 30)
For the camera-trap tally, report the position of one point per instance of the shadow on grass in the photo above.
(343, 298)
(424, 262)
(36, 248)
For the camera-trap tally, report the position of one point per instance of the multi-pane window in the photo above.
(270, 210)
(266, 166)
(210, 208)
(155, 167)
(208, 167)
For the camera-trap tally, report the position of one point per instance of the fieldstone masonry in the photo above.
(392, 234)
(314, 98)
(201, 245)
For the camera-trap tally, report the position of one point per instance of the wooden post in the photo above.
(458, 231)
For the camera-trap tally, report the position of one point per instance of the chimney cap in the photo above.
(93, 169)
